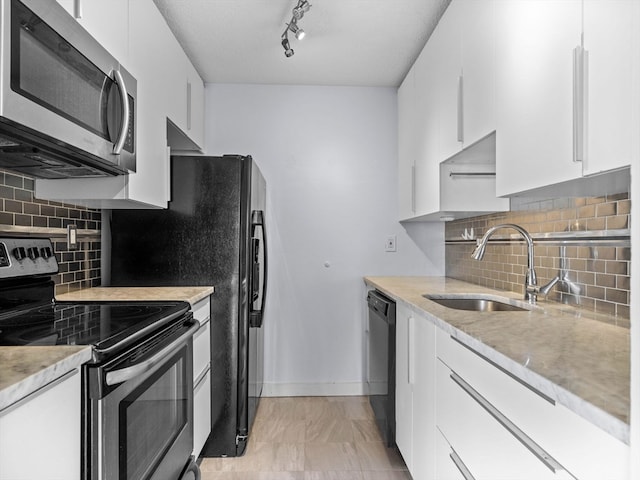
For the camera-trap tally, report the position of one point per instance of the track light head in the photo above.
(296, 30)
(300, 9)
(288, 51)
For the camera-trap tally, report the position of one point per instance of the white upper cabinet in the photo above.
(534, 93)
(564, 113)
(445, 108)
(106, 21)
(612, 40)
(168, 90)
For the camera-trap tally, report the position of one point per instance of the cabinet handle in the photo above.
(506, 372)
(38, 392)
(580, 92)
(522, 437)
(411, 349)
(461, 466)
(77, 9)
(460, 108)
(188, 105)
(413, 188)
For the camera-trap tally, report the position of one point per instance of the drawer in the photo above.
(202, 310)
(201, 350)
(582, 448)
(201, 412)
(491, 448)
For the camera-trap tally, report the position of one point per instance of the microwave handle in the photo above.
(124, 98)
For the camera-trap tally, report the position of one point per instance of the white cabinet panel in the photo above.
(201, 413)
(406, 149)
(534, 93)
(415, 395)
(40, 437)
(405, 348)
(611, 40)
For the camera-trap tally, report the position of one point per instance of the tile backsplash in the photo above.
(584, 241)
(22, 214)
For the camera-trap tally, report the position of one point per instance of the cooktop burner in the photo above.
(97, 324)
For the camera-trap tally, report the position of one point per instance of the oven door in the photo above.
(142, 420)
(60, 82)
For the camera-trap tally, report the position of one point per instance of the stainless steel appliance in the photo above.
(138, 386)
(213, 233)
(67, 107)
(382, 364)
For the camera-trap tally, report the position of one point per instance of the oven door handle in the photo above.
(119, 376)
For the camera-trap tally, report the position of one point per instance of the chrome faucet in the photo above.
(531, 288)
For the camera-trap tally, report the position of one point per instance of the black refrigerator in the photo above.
(213, 234)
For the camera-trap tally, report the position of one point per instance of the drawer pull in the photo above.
(507, 372)
(522, 437)
(461, 466)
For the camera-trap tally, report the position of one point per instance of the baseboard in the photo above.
(313, 389)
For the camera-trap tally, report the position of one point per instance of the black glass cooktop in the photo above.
(99, 324)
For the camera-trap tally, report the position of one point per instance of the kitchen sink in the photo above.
(476, 303)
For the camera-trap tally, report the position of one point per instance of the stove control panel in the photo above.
(20, 257)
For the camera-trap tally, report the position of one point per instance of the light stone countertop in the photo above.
(125, 294)
(578, 358)
(23, 370)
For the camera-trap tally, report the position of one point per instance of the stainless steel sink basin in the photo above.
(476, 303)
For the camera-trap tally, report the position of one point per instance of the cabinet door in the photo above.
(478, 70)
(40, 436)
(446, 66)
(449, 465)
(424, 400)
(534, 93)
(611, 40)
(405, 369)
(406, 146)
(427, 133)
(195, 105)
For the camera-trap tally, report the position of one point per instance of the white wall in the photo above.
(329, 157)
(635, 319)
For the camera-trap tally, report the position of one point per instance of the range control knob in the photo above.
(45, 252)
(19, 253)
(33, 253)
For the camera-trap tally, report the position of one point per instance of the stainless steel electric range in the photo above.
(137, 387)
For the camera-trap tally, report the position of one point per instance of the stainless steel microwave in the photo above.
(67, 107)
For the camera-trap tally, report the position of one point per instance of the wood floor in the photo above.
(311, 438)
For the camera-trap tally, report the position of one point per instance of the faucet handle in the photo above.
(545, 289)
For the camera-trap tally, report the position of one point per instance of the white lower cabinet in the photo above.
(415, 395)
(490, 446)
(201, 375)
(503, 428)
(41, 433)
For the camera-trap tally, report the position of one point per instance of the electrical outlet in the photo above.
(72, 237)
(390, 245)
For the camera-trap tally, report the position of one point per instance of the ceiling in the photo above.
(348, 42)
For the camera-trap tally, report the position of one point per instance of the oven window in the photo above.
(152, 417)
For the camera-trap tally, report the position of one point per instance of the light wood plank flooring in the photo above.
(311, 438)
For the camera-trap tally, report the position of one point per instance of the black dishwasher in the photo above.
(381, 376)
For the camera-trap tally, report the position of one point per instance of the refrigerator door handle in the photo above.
(255, 316)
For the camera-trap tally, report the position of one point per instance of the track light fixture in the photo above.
(298, 12)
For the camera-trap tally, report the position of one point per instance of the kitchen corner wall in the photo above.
(597, 270)
(329, 156)
(23, 215)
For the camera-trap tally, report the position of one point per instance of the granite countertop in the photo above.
(26, 369)
(580, 359)
(124, 294)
